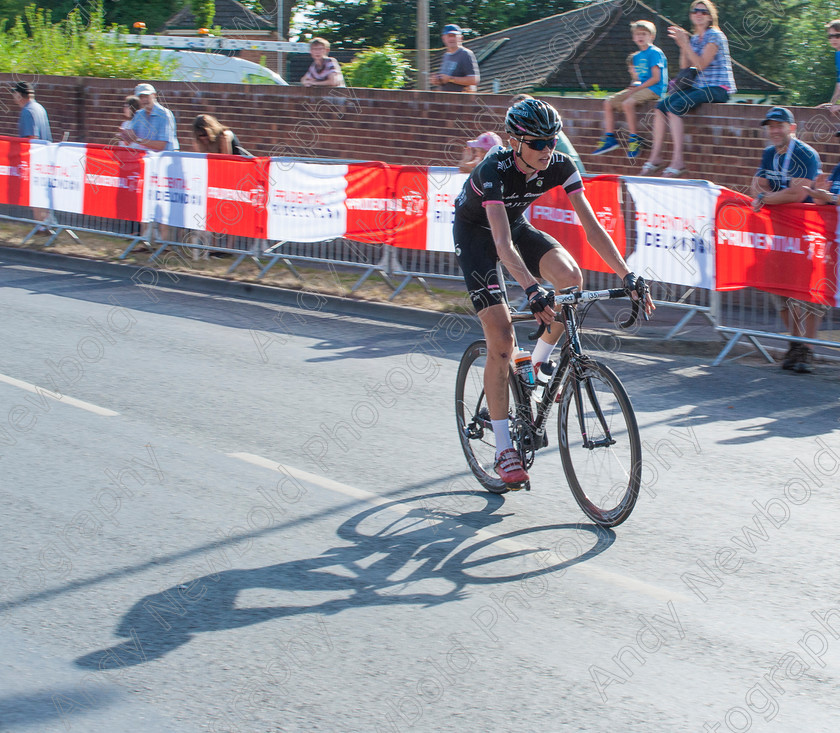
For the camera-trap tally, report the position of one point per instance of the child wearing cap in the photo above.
(458, 67)
(476, 150)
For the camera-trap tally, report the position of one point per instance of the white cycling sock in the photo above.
(542, 350)
(501, 429)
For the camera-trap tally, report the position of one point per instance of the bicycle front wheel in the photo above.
(473, 418)
(599, 443)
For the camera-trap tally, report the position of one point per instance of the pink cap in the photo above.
(485, 141)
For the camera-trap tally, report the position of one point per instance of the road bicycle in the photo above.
(598, 436)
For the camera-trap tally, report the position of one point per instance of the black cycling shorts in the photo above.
(476, 253)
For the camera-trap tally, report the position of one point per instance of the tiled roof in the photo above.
(230, 16)
(576, 50)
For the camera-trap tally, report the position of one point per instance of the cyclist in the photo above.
(490, 225)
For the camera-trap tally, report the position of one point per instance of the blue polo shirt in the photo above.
(802, 163)
(33, 122)
(159, 125)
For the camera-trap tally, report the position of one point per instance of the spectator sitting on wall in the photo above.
(153, 126)
(476, 150)
(324, 71)
(648, 84)
(786, 175)
(708, 52)
(833, 29)
(458, 67)
(210, 136)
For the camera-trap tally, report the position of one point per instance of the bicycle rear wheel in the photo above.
(599, 443)
(473, 417)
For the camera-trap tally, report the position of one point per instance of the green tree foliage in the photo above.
(204, 12)
(154, 13)
(379, 68)
(75, 46)
(374, 22)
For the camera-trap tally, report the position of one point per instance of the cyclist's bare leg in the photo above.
(498, 332)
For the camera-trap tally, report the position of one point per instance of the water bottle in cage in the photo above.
(523, 368)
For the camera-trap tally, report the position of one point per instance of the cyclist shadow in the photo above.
(419, 556)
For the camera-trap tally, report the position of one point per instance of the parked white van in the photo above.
(201, 67)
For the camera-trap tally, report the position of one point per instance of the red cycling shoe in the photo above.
(509, 467)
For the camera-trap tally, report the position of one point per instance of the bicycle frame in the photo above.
(571, 358)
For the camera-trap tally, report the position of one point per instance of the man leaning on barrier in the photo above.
(153, 125)
(787, 172)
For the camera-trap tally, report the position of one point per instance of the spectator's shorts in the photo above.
(681, 103)
(638, 97)
(476, 253)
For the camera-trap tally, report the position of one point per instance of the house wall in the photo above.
(723, 142)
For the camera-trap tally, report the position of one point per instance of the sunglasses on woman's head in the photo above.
(541, 144)
(702, 11)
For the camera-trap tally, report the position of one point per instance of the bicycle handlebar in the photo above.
(587, 296)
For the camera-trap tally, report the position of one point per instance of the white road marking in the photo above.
(593, 571)
(58, 397)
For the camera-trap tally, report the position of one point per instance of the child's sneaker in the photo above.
(635, 145)
(605, 144)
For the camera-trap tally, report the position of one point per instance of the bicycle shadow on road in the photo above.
(395, 553)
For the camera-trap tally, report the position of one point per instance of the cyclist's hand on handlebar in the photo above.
(638, 289)
(541, 303)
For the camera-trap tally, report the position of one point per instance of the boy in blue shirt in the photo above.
(652, 72)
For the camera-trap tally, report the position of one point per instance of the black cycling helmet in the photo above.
(533, 117)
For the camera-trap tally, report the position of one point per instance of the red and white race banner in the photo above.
(553, 214)
(368, 202)
(444, 186)
(57, 176)
(306, 201)
(176, 190)
(113, 186)
(674, 231)
(237, 196)
(14, 171)
(789, 250)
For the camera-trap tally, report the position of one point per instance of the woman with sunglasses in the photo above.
(490, 225)
(707, 51)
(210, 136)
(833, 29)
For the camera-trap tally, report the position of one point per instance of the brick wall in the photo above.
(723, 142)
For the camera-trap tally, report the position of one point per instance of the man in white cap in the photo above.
(153, 125)
(458, 67)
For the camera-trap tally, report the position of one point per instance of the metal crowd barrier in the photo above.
(745, 315)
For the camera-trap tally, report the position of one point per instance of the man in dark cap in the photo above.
(33, 122)
(786, 175)
(458, 67)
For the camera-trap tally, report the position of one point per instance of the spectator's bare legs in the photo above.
(658, 137)
(677, 129)
(629, 107)
(800, 321)
(609, 118)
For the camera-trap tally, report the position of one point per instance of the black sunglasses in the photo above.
(702, 11)
(541, 144)
(834, 35)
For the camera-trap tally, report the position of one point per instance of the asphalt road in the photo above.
(235, 516)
